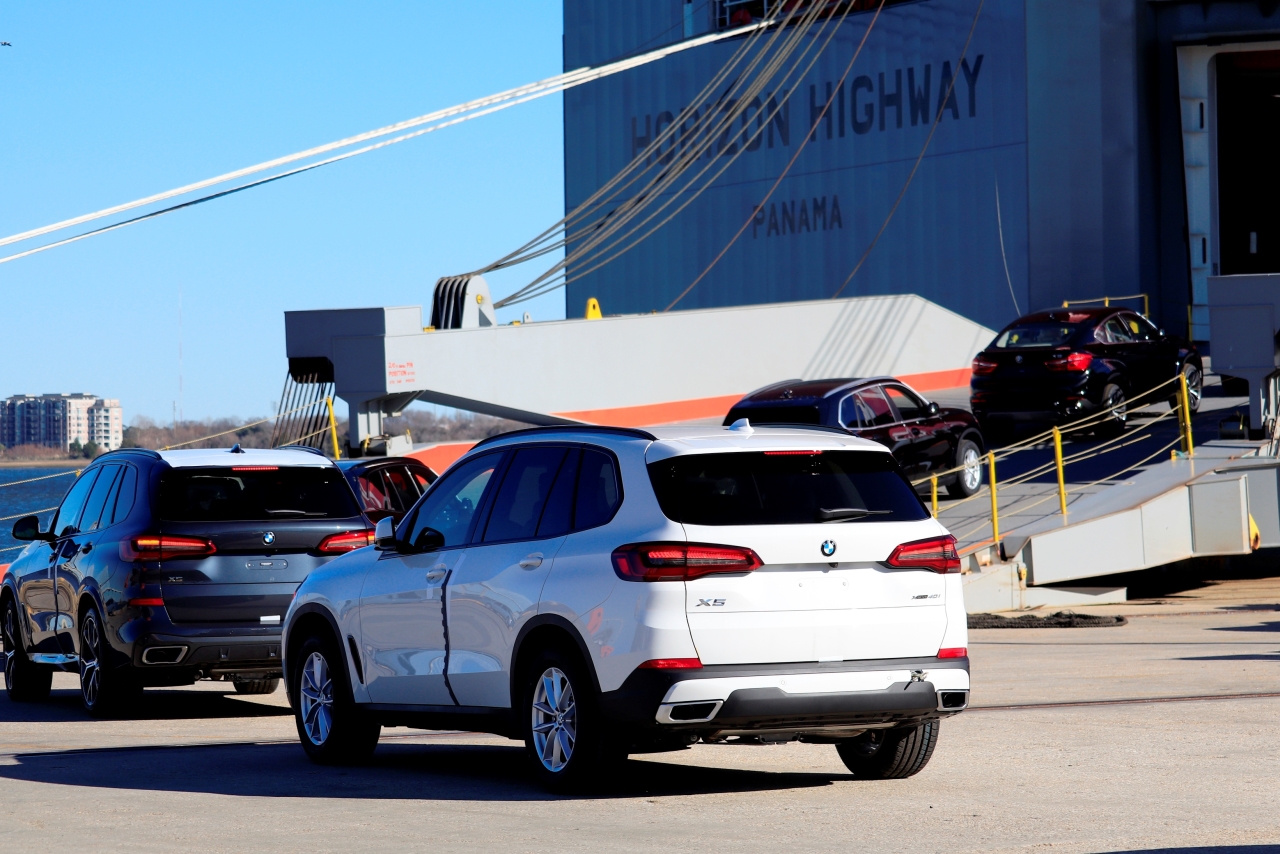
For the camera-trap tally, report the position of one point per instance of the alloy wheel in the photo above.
(1120, 414)
(555, 719)
(972, 473)
(11, 645)
(317, 699)
(90, 660)
(1195, 385)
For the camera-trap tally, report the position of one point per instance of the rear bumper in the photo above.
(208, 653)
(796, 698)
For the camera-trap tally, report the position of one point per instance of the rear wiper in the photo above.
(844, 514)
(292, 513)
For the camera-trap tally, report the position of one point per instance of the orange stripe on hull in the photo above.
(440, 457)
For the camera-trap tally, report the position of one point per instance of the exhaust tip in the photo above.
(163, 654)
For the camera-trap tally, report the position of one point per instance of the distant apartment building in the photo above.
(60, 420)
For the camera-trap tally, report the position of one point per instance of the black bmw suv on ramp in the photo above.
(163, 568)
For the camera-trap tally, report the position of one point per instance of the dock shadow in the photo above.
(447, 772)
(63, 705)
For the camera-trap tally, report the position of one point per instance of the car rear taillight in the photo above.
(149, 602)
(954, 652)
(981, 366)
(165, 547)
(347, 541)
(936, 553)
(1070, 362)
(680, 561)
(671, 664)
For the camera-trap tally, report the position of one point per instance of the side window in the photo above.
(372, 493)
(599, 490)
(69, 513)
(854, 413)
(102, 490)
(1141, 329)
(1115, 332)
(125, 494)
(523, 494)
(401, 486)
(557, 517)
(909, 408)
(874, 408)
(451, 505)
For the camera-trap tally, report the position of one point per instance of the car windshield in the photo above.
(784, 488)
(1035, 335)
(254, 493)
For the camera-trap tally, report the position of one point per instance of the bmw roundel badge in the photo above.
(829, 548)
(269, 537)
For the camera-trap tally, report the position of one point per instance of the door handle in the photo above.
(533, 561)
(437, 572)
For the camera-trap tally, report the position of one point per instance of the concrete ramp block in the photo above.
(1220, 516)
(1166, 528)
(994, 589)
(1069, 597)
(1097, 547)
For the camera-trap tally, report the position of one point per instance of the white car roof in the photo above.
(677, 441)
(209, 457)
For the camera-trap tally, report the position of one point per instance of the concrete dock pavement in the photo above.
(1037, 763)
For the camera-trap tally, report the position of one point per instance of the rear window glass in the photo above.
(784, 488)
(775, 415)
(227, 494)
(1036, 335)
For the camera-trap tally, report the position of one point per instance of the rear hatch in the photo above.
(823, 592)
(268, 527)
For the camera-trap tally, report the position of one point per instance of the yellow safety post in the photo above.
(1106, 302)
(593, 309)
(933, 488)
(995, 510)
(1185, 400)
(333, 429)
(1146, 306)
(1057, 459)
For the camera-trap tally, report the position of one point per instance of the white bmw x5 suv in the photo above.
(602, 591)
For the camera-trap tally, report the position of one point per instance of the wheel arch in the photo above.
(8, 594)
(547, 630)
(310, 619)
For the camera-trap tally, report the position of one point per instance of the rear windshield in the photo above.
(255, 494)
(774, 415)
(763, 488)
(1036, 335)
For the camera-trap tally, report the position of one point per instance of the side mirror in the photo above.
(28, 528)
(934, 409)
(384, 534)
(428, 540)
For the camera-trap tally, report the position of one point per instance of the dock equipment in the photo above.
(627, 370)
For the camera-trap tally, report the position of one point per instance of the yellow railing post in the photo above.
(1146, 306)
(933, 488)
(1185, 402)
(1106, 302)
(333, 429)
(995, 509)
(1057, 459)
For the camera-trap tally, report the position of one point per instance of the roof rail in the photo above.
(633, 432)
(146, 451)
(300, 448)
(821, 428)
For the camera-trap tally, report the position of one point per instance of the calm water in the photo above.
(28, 497)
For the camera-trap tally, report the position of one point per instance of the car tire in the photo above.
(24, 680)
(969, 481)
(1195, 387)
(256, 686)
(889, 754)
(1115, 422)
(104, 689)
(564, 734)
(333, 729)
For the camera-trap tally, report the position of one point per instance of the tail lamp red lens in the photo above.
(348, 541)
(936, 553)
(1070, 362)
(150, 602)
(165, 547)
(680, 561)
(982, 366)
(671, 664)
(954, 652)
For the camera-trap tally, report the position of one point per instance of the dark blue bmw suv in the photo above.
(164, 568)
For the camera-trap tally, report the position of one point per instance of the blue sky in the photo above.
(105, 103)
